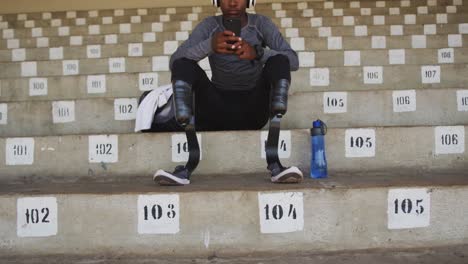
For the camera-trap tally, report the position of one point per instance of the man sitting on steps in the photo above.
(250, 82)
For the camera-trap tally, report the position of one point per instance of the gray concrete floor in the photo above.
(446, 255)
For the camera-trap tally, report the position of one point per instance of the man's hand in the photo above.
(220, 42)
(245, 51)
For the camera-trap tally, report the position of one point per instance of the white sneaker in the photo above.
(289, 175)
(167, 179)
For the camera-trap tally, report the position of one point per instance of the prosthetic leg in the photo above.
(183, 101)
(279, 102)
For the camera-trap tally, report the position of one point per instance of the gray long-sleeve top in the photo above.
(228, 71)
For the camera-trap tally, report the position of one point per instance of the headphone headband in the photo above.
(217, 3)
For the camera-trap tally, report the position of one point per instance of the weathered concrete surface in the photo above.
(66, 158)
(364, 109)
(450, 254)
(340, 213)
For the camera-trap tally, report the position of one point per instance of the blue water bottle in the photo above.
(318, 161)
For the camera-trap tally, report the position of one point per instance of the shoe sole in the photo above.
(166, 179)
(290, 175)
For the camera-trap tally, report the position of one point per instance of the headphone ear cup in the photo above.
(251, 3)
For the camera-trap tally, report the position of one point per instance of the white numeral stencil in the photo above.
(186, 26)
(158, 214)
(56, 53)
(284, 144)
(93, 51)
(170, 47)
(3, 114)
(306, 59)
(298, 44)
(181, 35)
(449, 140)
(408, 208)
(13, 44)
(36, 217)
(19, 151)
(360, 31)
(96, 84)
(396, 56)
(63, 111)
(373, 75)
(116, 65)
(38, 86)
(94, 29)
(149, 37)
(135, 49)
(180, 152)
(335, 102)
(107, 20)
(430, 74)
(18, 54)
(28, 69)
(160, 63)
(125, 28)
(76, 40)
(446, 55)
(125, 108)
(360, 143)
(71, 67)
(352, 58)
(148, 81)
(462, 100)
(281, 212)
(111, 39)
(404, 101)
(63, 31)
(103, 148)
(319, 77)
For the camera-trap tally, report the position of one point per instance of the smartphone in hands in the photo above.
(233, 24)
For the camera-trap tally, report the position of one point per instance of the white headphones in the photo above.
(250, 3)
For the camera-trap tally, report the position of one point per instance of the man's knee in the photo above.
(280, 60)
(183, 63)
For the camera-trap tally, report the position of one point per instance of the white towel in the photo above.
(150, 104)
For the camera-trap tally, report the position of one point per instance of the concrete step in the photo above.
(73, 20)
(236, 215)
(264, 7)
(377, 56)
(325, 41)
(296, 35)
(455, 254)
(56, 35)
(114, 157)
(82, 28)
(428, 107)
(305, 79)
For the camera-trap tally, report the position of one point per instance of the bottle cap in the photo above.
(319, 128)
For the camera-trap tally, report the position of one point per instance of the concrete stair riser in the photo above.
(334, 219)
(142, 154)
(360, 109)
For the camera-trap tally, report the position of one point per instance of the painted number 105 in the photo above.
(405, 206)
(360, 142)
